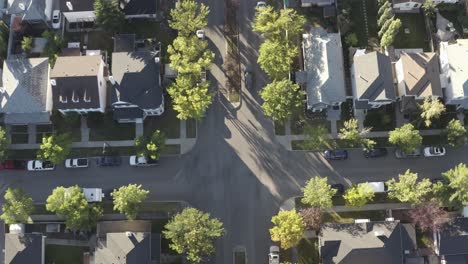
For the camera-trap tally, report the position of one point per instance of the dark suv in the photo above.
(108, 161)
(376, 153)
(338, 154)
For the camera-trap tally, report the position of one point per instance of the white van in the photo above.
(378, 187)
(93, 194)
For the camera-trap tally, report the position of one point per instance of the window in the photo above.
(416, 5)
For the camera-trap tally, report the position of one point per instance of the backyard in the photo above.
(55, 254)
(362, 11)
(412, 34)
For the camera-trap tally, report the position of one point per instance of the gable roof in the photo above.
(421, 75)
(26, 84)
(454, 65)
(454, 237)
(77, 5)
(373, 242)
(139, 7)
(24, 248)
(323, 62)
(31, 10)
(372, 77)
(76, 78)
(137, 78)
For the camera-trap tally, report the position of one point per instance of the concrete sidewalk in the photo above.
(290, 204)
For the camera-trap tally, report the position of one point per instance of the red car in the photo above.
(13, 165)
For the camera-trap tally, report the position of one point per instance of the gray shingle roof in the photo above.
(23, 248)
(35, 9)
(454, 237)
(140, 7)
(323, 63)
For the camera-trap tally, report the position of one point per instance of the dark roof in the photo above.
(23, 248)
(140, 7)
(373, 242)
(137, 77)
(156, 247)
(454, 237)
(124, 43)
(78, 5)
(36, 9)
(127, 113)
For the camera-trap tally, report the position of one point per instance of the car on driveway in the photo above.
(40, 165)
(109, 161)
(76, 163)
(273, 256)
(338, 154)
(261, 4)
(13, 165)
(434, 151)
(340, 189)
(376, 153)
(56, 19)
(399, 154)
(142, 161)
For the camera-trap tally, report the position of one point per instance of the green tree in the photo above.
(385, 26)
(389, 36)
(456, 133)
(71, 204)
(109, 16)
(386, 15)
(188, 16)
(151, 147)
(3, 144)
(27, 44)
(429, 8)
(193, 232)
(17, 207)
(52, 47)
(276, 57)
(55, 148)
(281, 99)
(128, 199)
(353, 137)
(458, 182)
(188, 55)
(406, 138)
(383, 7)
(317, 138)
(190, 99)
(318, 193)
(288, 228)
(408, 190)
(351, 40)
(274, 25)
(431, 109)
(358, 195)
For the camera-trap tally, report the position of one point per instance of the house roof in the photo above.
(317, 2)
(454, 237)
(323, 63)
(140, 7)
(31, 10)
(137, 77)
(421, 75)
(407, 1)
(127, 112)
(454, 64)
(77, 5)
(26, 83)
(372, 77)
(76, 82)
(23, 248)
(372, 242)
(105, 227)
(124, 43)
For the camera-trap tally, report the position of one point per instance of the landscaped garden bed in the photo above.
(349, 217)
(70, 124)
(308, 252)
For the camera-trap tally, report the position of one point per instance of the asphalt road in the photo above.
(236, 171)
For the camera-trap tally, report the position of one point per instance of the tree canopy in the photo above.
(358, 195)
(3, 144)
(273, 25)
(407, 138)
(353, 137)
(317, 138)
(128, 199)
(458, 182)
(193, 232)
(456, 133)
(318, 193)
(431, 109)
(288, 228)
(276, 57)
(27, 44)
(389, 36)
(188, 16)
(53, 46)
(429, 216)
(150, 147)
(71, 204)
(17, 207)
(408, 190)
(189, 55)
(109, 16)
(281, 99)
(55, 148)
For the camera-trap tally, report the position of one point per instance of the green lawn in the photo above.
(55, 254)
(381, 119)
(299, 122)
(417, 36)
(103, 127)
(358, 19)
(71, 126)
(168, 123)
(191, 128)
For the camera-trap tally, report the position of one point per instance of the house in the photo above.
(308, 3)
(26, 96)
(415, 5)
(124, 240)
(452, 240)
(139, 8)
(31, 11)
(136, 82)
(21, 247)
(78, 84)
(323, 73)
(79, 14)
(454, 77)
(418, 78)
(372, 80)
(388, 242)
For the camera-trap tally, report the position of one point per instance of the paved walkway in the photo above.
(32, 132)
(84, 129)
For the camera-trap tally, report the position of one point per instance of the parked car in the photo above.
(248, 78)
(76, 163)
(200, 34)
(273, 256)
(93, 194)
(401, 155)
(378, 187)
(434, 151)
(56, 19)
(261, 4)
(13, 165)
(376, 153)
(339, 188)
(40, 165)
(108, 161)
(142, 161)
(337, 154)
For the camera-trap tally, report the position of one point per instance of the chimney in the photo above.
(69, 5)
